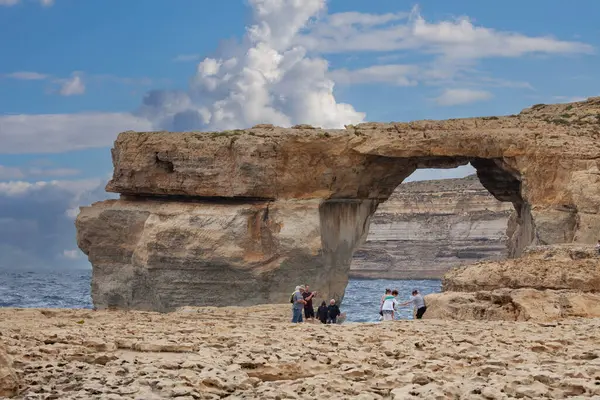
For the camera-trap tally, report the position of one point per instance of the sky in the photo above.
(75, 73)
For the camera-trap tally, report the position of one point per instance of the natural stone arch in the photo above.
(203, 214)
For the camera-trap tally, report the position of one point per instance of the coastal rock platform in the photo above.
(255, 353)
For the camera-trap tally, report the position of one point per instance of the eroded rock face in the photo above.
(540, 267)
(513, 305)
(425, 228)
(158, 255)
(544, 161)
(545, 283)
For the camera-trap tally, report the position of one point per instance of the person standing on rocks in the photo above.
(333, 311)
(309, 311)
(389, 306)
(388, 292)
(298, 304)
(322, 312)
(419, 303)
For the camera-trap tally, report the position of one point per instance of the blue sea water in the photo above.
(72, 290)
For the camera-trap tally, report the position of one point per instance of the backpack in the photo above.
(292, 298)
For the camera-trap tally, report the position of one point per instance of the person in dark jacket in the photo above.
(333, 311)
(322, 312)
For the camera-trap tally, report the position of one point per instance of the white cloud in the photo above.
(345, 19)
(446, 50)
(27, 75)
(72, 254)
(47, 3)
(74, 187)
(454, 97)
(73, 86)
(273, 75)
(267, 79)
(458, 38)
(55, 133)
(36, 222)
(397, 74)
(7, 173)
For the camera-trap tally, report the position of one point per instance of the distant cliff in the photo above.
(427, 227)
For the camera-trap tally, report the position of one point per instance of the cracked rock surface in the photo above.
(255, 353)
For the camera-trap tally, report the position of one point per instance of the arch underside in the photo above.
(345, 222)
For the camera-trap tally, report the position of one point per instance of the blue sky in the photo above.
(74, 73)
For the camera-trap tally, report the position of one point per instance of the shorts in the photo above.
(309, 312)
(420, 312)
(388, 315)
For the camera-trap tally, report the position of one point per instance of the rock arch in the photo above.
(253, 212)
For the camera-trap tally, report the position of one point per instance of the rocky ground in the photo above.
(254, 353)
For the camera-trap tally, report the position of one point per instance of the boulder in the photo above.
(541, 267)
(513, 305)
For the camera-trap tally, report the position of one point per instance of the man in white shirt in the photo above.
(418, 302)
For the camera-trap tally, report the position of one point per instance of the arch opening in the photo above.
(506, 211)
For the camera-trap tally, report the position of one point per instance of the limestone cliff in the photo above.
(275, 207)
(428, 227)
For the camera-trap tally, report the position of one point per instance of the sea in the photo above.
(72, 290)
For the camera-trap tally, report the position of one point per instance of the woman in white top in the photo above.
(389, 306)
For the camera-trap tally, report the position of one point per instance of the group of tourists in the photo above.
(302, 301)
(387, 309)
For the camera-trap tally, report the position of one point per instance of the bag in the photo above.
(292, 298)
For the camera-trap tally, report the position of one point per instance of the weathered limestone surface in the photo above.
(255, 353)
(545, 283)
(159, 255)
(513, 305)
(425, 228)
(541, 267)
(9, 383)
(545, 161)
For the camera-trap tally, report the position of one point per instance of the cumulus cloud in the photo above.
(73, 86)
(454, 97)
(55, 133)
(36, 223)
(265, 79)
(276, 74)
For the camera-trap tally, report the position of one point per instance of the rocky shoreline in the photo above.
(255, 353)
